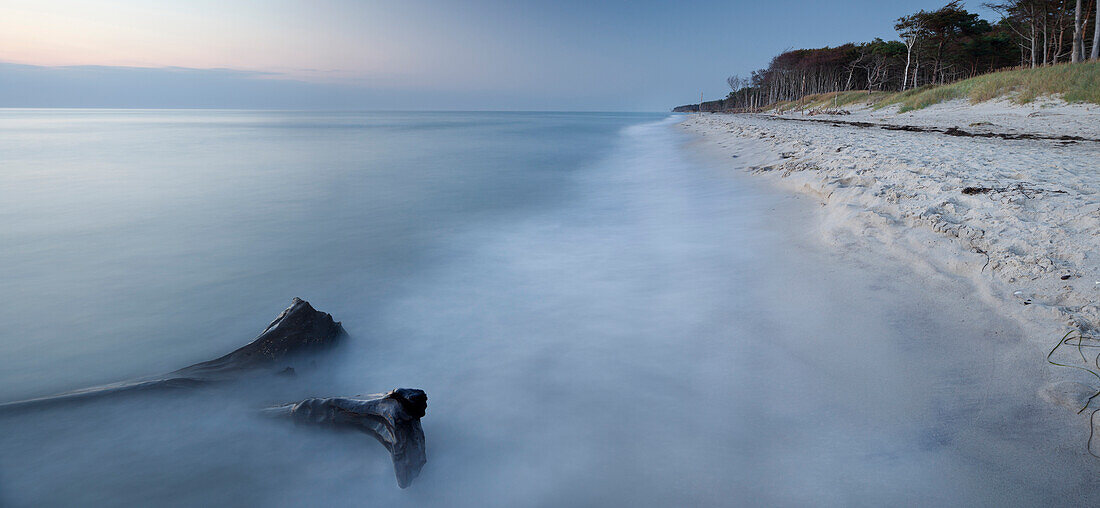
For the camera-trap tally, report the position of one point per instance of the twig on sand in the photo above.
(1080, 343)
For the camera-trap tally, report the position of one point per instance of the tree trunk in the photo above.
(1061, 31)
(908, 56)
(1078, 37)
(1034, 39)
(938, 67)
(916, 71)
(1096, 33)
(1046, 41)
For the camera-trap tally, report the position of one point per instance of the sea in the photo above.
(601, 314)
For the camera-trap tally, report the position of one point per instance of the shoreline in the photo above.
(1018, 219)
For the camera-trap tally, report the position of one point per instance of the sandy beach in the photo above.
(1018, 219)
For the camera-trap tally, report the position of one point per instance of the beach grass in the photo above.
(839, 99)
(1073, 82)
(829, 100)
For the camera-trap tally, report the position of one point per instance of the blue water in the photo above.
(156, 232)
(598, 315)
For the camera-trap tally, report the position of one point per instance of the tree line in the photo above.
(933, 47)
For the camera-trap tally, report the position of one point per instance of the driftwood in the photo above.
(393, 419)
(298, 329)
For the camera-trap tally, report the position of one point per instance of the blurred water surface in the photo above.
(598, 317)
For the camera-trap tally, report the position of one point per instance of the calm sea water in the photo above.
(598, 316)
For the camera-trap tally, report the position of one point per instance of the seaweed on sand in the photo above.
(1080, 339)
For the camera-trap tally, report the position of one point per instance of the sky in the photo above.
(562, 55)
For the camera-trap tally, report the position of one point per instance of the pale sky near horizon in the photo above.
(415, 54)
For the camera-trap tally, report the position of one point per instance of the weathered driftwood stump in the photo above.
(298, 329)
(393, 419)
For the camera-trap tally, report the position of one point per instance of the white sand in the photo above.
(1047, 116)
(1031, 244)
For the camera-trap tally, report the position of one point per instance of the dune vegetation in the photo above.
(1073, 83)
